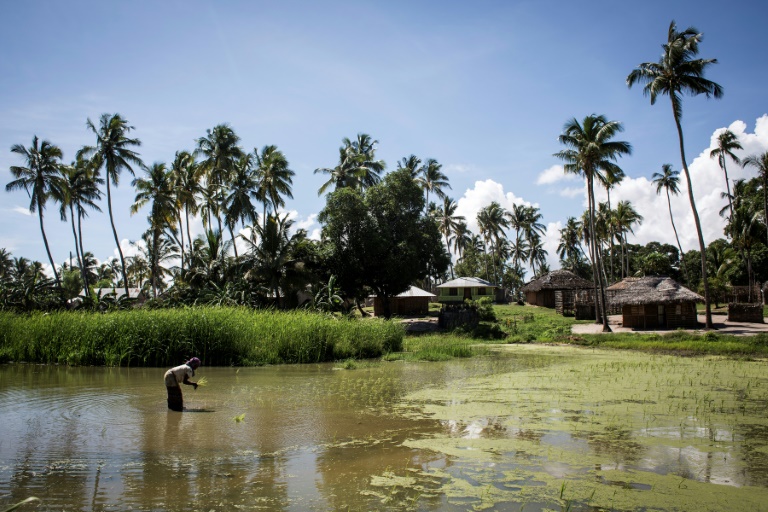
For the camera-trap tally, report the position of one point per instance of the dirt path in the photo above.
(722, 325)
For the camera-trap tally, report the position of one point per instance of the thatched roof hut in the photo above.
(543, 291)
(654, 302)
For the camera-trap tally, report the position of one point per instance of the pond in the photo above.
(528, 428)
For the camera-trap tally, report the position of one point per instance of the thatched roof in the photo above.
(653, 290)
(466, 282)
(623, 284)
(557, 280)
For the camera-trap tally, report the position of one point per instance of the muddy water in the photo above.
(529, 428)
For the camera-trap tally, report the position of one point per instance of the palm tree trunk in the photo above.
(598, 262)
(232, 235)
(80, 239)
(189, 235)
(77, 250)
(181, 236)
(448, 246)
(117, 241)
(680, 248)
(702, 247)
(45, 242)
(727, 184)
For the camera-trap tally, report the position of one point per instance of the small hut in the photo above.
(556, 289)
(654, 302)
(461, 288)
(413, 301)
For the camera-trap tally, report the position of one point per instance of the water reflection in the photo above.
(529, 429)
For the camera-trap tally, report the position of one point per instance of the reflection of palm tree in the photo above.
(669, 180)
(726, 144)
(113, 152)
(591, 152)
(676, 73)
(760, 162)
(39, 177)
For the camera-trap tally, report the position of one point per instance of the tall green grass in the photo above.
(219, 336)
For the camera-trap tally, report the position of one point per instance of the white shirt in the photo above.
(175, 376)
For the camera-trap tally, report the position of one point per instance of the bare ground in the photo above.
(722, 325)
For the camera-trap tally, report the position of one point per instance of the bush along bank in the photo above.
(219, 336)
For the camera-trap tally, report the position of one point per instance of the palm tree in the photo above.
(80, 189)
(39, 177)
(591, 152)
(237, 204)
(609, 181)
(677, 73)
(492, 220)
(432, 179)
(462, 238)
(357, 167)
(113, 152)
(760, 162)
(669, 180)
(726, 144)
(272, 250)
(536, 253)
(624, 217)
(220, 156)
(157, 189)
(569, 247)
(273, 178)
(186, 176)
(412, 163)
(448, 223)
(744, 228)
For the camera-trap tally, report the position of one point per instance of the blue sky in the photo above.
(483, 87)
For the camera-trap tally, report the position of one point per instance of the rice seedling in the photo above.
(202, 381)
(239, 418)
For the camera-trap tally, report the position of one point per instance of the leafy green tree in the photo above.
(381, 239)
(727, 142)
(676, 73)
(591, 152)
(113, 153)
(39, 177)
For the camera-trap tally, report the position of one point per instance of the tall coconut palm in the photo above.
(237, 203)
(39, 176)
(492, 221)
(727, 142)
(220, 151)
(363, 151)
(678, 72)
(80, 189)
(609, 181)
(448, 223)
(113, 153)
(623, 219)
(432, 179)
(462, 238)
(273, 179)
(272, 251)
(669, 180)
(186, 176)
(537, 255)
(156, 188)
(760, 162)
(412, 163)
(569, 246)
(591, 152)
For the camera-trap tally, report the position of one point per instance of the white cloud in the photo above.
(555, 174)
(458, 168)
(573, 192)
(708, 185)
(22, 210)
(481, 196)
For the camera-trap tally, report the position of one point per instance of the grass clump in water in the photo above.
(437, 347)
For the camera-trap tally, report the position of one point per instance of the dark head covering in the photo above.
(194, 363)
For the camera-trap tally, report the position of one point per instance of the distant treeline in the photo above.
(220, 336)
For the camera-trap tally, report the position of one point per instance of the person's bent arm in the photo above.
(189, 382)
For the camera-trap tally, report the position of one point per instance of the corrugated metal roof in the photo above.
(415, 291)
(465, 282)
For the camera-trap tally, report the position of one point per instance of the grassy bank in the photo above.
(219, 336)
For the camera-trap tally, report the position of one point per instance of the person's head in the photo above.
(194, 363)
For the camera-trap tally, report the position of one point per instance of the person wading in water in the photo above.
(177, 376)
